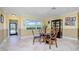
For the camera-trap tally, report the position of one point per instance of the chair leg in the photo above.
(56, 42)
(33, 40)
(45, 39)
(49, 44)
(40, 40)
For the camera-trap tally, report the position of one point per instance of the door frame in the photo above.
(15, 21)
(10, 28)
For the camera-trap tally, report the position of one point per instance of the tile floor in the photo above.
(14, 43)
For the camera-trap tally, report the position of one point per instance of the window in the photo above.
(32, 24)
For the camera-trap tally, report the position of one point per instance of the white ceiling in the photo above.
(41, 12)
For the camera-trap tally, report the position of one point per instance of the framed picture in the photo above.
(70, 21)
(1, 18)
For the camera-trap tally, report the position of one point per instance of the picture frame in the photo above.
(1, 18)
(70, 21)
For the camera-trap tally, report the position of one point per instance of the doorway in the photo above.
(13, 27)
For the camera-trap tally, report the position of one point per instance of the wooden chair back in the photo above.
(55, 33)
(33, 32)
(53, 38)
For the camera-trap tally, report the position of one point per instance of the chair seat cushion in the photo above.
(36, 36)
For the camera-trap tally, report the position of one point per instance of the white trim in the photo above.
(27, 37)
(71, 38)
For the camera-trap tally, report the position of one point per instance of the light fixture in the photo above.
(53, 8)
(13, 14)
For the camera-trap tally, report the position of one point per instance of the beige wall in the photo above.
(68, 31)
(8, 18)
(1, 29)
(78, 25)
(1, 34)
(4, 27)
(22, 31)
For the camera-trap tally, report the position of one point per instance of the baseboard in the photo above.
(26, 37)
(71, 38)
(64, 37)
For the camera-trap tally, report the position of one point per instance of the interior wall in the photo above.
(2, 36)
(78, 25)
(1, 32)
(68, 31)
(24, 31)
(8, 18)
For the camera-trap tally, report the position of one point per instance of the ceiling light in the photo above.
(53, 8)
(13, 14)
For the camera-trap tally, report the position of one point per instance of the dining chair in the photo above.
(52, 37)
(36, 36)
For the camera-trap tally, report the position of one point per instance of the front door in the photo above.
(13, 28)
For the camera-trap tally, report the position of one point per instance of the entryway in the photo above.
(13, 30)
